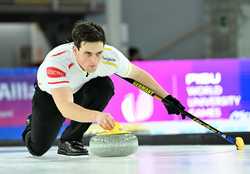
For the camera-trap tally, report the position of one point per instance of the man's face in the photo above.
(89, 55)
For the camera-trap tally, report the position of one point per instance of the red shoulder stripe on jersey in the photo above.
(70, 65)
(51, 83)
(54, 72)
(57, 54)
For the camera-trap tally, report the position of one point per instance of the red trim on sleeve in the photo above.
(54, 72)
(51, 83)
(57, 54)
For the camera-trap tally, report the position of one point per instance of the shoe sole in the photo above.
(61, 152)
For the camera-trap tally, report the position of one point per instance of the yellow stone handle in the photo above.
(117, 127)
(116, 130)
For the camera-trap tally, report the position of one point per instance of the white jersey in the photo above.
(60, 69)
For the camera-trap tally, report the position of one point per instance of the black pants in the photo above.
(47, 119)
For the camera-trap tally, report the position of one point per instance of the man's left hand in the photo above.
(173, 106)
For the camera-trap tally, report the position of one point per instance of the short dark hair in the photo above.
(87, 32)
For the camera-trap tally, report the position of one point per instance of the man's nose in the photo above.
(94, 59)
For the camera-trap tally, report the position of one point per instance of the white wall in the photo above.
(40, 44)
(12, 36)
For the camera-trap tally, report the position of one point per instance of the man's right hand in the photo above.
(105, 120)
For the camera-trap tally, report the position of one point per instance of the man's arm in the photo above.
(172, 105)
(145, 78)
(63, 98)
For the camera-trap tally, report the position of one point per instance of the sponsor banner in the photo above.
(213, 89)
(16, 91)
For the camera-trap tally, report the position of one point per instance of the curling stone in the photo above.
(114, 143)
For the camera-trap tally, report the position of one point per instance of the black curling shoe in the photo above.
(72, 148)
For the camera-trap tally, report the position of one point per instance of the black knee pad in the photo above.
(95, 94)
(101, 87)
(38, 151)
(106, 86)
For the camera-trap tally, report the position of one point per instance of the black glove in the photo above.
(173, 106)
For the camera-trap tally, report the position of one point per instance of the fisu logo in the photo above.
(137, 109)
